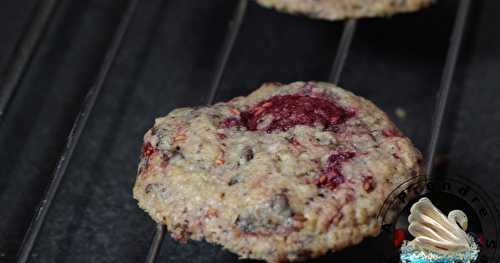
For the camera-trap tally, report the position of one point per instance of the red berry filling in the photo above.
(148, 150)
(332, 175)
(287, 111)
(391, 133)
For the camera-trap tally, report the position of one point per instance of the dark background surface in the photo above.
(167, 60)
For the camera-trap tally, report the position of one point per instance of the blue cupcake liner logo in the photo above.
(439, 221)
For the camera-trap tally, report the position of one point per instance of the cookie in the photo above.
(341, 9)
(287, 173)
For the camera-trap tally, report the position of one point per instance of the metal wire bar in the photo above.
(227, 47)
(156, 243)
(446, 81)
(76, 131)
(24, 53)
(343, 50)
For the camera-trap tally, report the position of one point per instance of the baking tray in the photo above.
(169, 56)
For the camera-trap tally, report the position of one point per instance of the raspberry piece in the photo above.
(368, 184)
(148, 150)
(231, 122)
(332, 175)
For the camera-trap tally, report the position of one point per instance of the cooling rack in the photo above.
(341, 50)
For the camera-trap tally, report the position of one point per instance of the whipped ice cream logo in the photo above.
(440, 220)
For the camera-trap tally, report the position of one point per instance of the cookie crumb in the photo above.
(400, 113)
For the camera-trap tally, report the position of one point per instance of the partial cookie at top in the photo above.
(287, 173)
(341, 9)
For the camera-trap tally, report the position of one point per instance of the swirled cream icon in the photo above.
(437, 238)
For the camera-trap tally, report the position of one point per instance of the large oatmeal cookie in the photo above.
(287, 173)
(340, 9)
